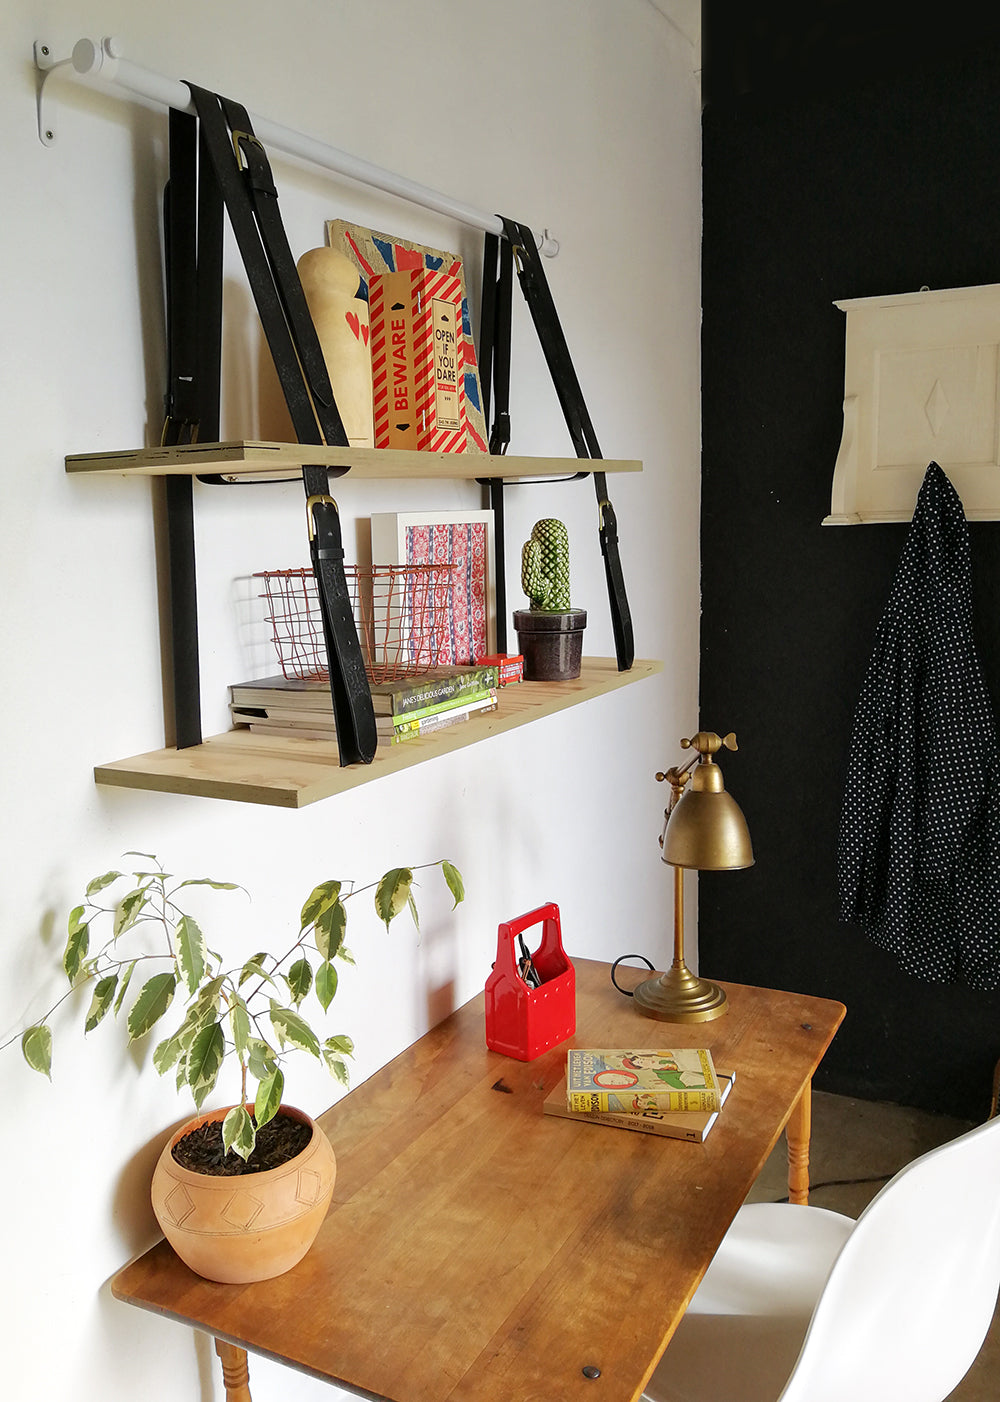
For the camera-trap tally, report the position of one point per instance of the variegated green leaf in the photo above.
(455, 883)
(320, 899)
(166, 1053)
(189, 943)
(198, 1015)
(392, 893)
(291, 1027)
(123, 986)
(345, 954)
(299, 980)
(238, 1132)
(413, 910)
(154, 999)
(343, 1045)
(204, 1061)
(104, 992)
(326, 983)
(128, 909)
(77, 943)
(36, 1048)
(254, 968)
(336, 1066)
(99, 882)
(207, 881)
(268, 1099)
(262, 1059)
(239, 1022)
(329, 929)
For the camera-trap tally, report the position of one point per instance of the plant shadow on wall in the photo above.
(131, 943)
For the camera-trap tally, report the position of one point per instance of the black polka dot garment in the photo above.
(919, 850)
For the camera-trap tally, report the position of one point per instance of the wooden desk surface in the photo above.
(478, 1250)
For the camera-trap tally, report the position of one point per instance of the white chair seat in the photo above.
(744, 1328)
(802, 1305)
(774, 1261)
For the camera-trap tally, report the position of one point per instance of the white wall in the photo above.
(579, 115)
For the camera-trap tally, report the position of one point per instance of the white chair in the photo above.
(804, 1305)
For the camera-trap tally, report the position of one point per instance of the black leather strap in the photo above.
(534, 285)
(241, 168)
(494, 370)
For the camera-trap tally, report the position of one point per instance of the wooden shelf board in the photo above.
(263, 460)
(287, 773)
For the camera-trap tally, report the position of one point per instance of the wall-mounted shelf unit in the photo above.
(243, 458)
(287, 773)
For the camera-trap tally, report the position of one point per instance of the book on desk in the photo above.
(692, 1125)
(626, 1080)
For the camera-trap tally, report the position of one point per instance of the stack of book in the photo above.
(674, 1093)
(404, 709)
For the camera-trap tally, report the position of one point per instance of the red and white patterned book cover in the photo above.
(417, 368)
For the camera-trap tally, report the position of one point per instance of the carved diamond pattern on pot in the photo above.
(308, 1187)
(242, 1210)
(936, 408)
(178, 1204)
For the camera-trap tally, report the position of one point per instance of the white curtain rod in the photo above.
(104, 61)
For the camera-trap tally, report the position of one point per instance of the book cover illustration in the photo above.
(690, 1125)
(373, 252)
(628, 1081)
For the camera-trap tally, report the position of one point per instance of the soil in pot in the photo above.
(202, 1150)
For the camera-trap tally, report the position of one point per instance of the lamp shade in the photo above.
(706, 830)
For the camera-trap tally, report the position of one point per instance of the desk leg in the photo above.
(797, 1133)
(235, 1373)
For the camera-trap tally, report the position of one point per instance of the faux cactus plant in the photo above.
(545, 567)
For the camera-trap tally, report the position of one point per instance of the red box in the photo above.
(524, 1022)
(510, 667)
(418, 382)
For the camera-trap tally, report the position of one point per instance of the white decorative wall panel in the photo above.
(920, 385)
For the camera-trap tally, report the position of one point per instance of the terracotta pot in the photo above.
(250, 1227)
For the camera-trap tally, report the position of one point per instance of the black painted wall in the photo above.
(836, 164)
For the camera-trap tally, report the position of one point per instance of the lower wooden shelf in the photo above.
(288, 773)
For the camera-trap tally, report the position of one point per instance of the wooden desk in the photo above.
(478, 1251)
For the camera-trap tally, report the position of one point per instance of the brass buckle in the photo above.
(310, 503)
(241, 160)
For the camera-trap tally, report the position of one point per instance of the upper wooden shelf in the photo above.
(244, 459)
(289, 773)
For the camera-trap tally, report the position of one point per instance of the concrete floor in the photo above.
(861, 1140)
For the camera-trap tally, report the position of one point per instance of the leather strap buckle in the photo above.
(238, 136)
(317, 499)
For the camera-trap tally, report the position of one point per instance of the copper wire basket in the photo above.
(403, 615)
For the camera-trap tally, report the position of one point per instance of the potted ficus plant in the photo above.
(131, 942)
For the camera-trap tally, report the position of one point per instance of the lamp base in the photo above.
(680, 996)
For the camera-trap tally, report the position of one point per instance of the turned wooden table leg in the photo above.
(797, 1133)
(235, 1373)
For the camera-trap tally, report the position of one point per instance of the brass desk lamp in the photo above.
(704, 830)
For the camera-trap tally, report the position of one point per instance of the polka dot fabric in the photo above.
(919, 849)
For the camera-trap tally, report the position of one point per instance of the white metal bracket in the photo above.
(88, 56)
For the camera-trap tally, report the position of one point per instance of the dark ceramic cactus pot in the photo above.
(550, 643)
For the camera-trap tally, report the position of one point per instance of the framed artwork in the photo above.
(463, 539)
(384, 253)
